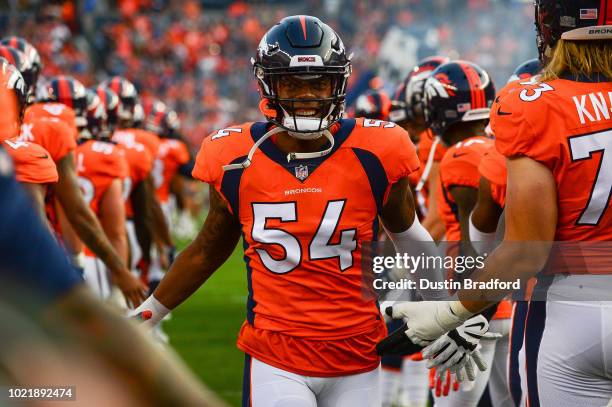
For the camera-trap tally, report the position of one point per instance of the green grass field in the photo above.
(203, 330)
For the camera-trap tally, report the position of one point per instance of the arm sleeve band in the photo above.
(158, 310)
(417, 242)
(482, 242)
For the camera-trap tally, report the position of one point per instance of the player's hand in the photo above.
(397, 343)
(443, 383)
(149, 313)
(133, 289)
(456, 350)
(428, 320)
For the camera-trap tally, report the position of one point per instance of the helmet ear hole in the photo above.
(266, 109)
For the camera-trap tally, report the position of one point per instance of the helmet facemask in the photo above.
(304, 103)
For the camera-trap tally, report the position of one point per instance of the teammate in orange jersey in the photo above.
(458, 96)
(484, 229)
(173, 167)
(31, 74)
(145, 218)
(57, 139)
(53, 111)
(555, 135)
(492, 168)
(305, 188)
(34, 168)
(102, 169)
(127, 134)
(407, 111)
(171, 156)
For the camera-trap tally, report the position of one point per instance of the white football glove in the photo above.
(458, 350)
(428, 320)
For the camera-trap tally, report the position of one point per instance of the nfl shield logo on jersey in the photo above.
(301, 172)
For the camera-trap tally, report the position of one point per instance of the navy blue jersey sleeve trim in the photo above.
(377, 176)
(230, 185)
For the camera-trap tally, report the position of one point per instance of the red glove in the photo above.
(442, 384)
(143, 267)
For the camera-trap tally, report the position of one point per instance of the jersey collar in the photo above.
(280, 157)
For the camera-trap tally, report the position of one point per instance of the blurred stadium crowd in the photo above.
(194, 55)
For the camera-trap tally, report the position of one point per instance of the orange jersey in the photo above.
(52, 110)
(33, 164)
(566, 126)
(424, 146)
(170, 156)
(140, 163)
(146, 138)
(459, 167)
(303, 224)
(53, 135)
(493, 168)
(99, 163)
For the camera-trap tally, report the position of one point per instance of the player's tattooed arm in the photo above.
(194, 265)
(87, 227)
(399, 211)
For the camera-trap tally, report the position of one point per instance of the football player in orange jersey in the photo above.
(102, 168)
(34, 168)
(31, 74)
(375, 105)
(172, 154)
(128, 133)
(149, 226)
(458, 96)
(402, 379)
(407, 111)
(52, 135)
(305, 189)
(174, 173)
(484, 229)
(555, 131)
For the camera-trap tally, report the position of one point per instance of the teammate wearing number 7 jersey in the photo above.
(305, 190)
(556, 133)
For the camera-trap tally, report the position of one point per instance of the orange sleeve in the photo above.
(521, 127)
(182, 152)
(207, 169)
(149, 140)
(55, 136)
(215, 152)
(33, 163)
(399, 158)
(460, 169)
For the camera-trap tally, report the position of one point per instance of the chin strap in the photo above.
(291, 156)
(316, 154)
(247, 162)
